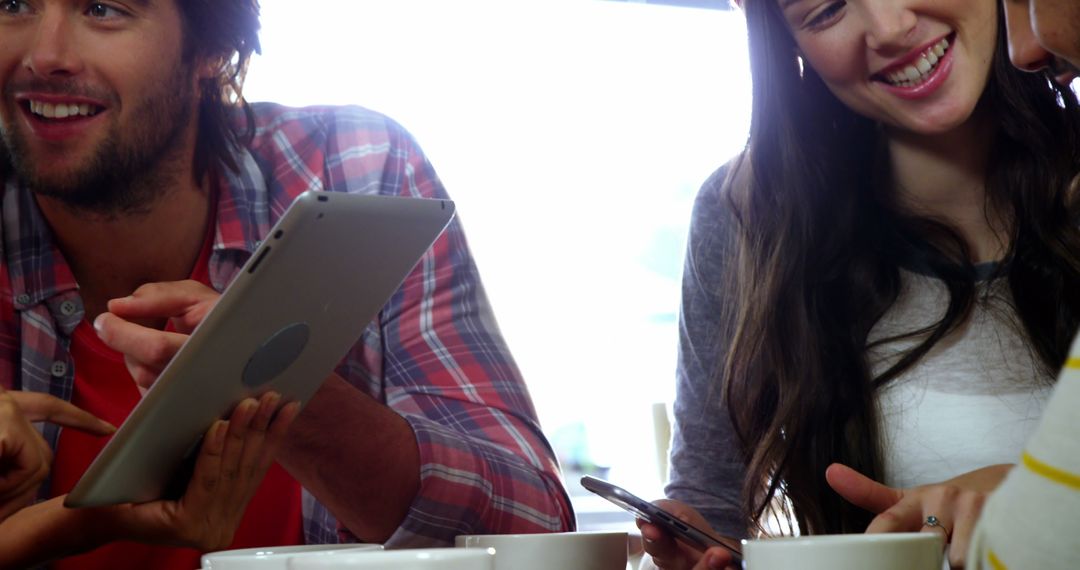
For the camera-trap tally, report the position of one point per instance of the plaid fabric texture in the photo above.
(434, 353)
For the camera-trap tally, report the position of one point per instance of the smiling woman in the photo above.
(870, 284)
(572, 134)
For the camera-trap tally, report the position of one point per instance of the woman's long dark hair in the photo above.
(820, 244)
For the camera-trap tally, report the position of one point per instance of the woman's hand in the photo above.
(234, 457)
(956, 504)
(25, 458)
(670, 554)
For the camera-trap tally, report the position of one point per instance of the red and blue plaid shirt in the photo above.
(433, 354)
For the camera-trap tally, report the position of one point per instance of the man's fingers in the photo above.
(144, 376)
(282, 422)
(239, 424)
(186, 302)
(206, 478)
(148, 347)
(37, 407)
(254, 456)
(860, 490)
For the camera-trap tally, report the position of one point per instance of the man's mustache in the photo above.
(58, 87)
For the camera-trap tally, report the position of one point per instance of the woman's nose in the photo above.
(889, 25)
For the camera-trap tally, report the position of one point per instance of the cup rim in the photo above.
(547, 534)
(289, 550)
(855, 538)
(409, 553)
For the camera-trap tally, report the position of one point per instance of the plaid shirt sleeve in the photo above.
(435, 355)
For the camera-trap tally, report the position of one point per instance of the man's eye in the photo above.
(13, 6)
(103, 11)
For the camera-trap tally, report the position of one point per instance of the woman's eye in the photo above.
(825, 16)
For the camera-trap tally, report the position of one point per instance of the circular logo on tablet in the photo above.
(276, 354)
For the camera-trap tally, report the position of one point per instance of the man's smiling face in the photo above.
(94, 96)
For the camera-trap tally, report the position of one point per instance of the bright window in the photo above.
(573, 134)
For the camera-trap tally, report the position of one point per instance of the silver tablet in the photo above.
(292, 313)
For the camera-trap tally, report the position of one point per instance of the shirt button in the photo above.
(59, 368)
(68, 308)
(22, 299)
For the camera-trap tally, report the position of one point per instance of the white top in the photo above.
(973, 401)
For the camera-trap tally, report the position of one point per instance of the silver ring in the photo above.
(933, 521)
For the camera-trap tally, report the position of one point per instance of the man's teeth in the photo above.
(62, 110)
(919, 70)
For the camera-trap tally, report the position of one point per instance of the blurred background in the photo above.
(573, 135)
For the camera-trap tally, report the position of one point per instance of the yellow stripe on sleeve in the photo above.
(1050, 472)
(1073, 362)
(994, 562)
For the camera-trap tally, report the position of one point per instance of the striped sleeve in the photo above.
(1031, 520)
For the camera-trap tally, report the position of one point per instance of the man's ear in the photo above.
(209, 67)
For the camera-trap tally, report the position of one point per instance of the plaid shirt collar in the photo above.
(36, 268)
(38, 271)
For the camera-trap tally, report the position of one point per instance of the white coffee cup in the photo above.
(600, 550)
(890, 551)
(418, 559)
(274, 557)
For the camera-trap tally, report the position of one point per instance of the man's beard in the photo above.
(130, 169)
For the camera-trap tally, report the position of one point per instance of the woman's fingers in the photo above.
(230, 465)
(860, 490)
(908, 516)
(950, 509)
(969, 507)
(663, 549)
(666, 552)
(715, 558)
(37, 407)
(23, 466)
(24, 456)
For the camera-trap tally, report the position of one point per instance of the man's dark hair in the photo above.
(225, 33)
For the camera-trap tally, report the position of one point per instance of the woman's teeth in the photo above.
(919, 70)
(62, 110)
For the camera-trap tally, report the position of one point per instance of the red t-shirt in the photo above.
(104, 388)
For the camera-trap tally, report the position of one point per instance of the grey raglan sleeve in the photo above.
(707, 470)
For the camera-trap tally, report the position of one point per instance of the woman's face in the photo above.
(917, 65)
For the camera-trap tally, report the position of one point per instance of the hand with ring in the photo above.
(951, 507)
(932, 521)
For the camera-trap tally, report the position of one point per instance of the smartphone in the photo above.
(650, 513)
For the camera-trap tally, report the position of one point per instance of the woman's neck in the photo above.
(943, 176)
